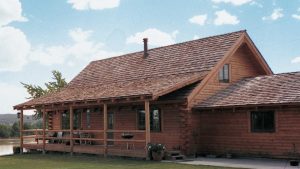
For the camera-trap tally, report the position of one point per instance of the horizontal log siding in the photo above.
(229, 132)
(56, 120)
(242, 65)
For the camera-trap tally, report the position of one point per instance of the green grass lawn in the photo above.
(58, 161)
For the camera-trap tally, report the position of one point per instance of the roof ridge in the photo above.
(180, 43)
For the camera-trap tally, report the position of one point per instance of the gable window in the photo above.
(224, 74)
(262, 121)
(155, 120)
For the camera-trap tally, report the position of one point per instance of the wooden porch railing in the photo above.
(40, 139)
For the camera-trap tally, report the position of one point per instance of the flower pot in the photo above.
(157, 156)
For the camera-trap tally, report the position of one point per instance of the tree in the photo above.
(4, 131)
(15, 130)
(36, 91)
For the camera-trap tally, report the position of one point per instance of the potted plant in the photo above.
(156, 151)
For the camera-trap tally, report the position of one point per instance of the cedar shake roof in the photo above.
(164, 70)
(262, 90)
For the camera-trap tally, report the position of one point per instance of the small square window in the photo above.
(224, 74)
(262, 121)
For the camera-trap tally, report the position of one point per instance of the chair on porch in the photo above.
(59, 137)
(85, 136)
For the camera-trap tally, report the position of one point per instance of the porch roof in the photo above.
(150, 88)
(164, 70)
(283, 89)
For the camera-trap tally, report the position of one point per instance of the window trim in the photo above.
(222, 70)
(252, 130)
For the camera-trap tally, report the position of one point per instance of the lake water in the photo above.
(6, 145)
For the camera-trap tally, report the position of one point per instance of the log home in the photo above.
(214, 95)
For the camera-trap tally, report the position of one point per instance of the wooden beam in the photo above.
(147, 124)
(44, 130)
(105, 129)
(71, 129)
(21, 131)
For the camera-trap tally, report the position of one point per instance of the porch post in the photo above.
(147, 124)
(71, 130)
(21, 131)
(44, 130)
(105, 129)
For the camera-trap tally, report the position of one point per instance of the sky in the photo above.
(37, 37)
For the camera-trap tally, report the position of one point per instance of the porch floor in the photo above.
(90, 149)
(255, 163)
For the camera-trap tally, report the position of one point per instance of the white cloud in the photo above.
(14, 45)
(276, 14)
(10, 96)
(254, 3)
(295, 16)
(233, 2)
(196, 37)
(155, 36)
(198, 19)
(82, 48)
(225, 18)
(296, 60)
(94, 4)
(10, 10)
(14, 49)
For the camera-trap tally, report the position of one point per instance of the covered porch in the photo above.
(90, 128)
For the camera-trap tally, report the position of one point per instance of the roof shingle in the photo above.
(132, 74)
(262, 90)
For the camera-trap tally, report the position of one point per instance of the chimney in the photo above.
(145, 47)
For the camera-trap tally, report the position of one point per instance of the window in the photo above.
(155, 120)
(262, 121)
(224, 74)
(77, 119)
(88, 118)
(65, 120)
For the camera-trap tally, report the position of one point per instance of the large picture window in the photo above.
(224, 74)
(262, 121)
(155, 120)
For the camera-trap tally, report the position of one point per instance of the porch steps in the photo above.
(175, 155)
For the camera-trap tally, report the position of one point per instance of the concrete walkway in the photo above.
(242, 163)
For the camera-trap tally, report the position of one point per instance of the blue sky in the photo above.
(40, 36)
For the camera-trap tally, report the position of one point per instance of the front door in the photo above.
(110, 126)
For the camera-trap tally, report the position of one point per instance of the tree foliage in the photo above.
(36, 91)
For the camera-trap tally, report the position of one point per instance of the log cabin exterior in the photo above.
(213, 95)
